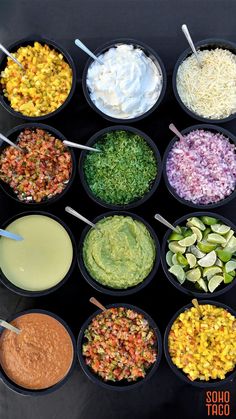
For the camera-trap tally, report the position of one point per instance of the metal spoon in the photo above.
(11, 56)
(22, 150)
(191, 44)
(8, 326)
(82, 147)
(80, 44)
(162, 220)
(80, 217)
(97, 304)
(10, 235)
(173, 128)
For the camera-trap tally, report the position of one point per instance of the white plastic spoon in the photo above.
(162, 220)
(11, 56)
(173, 128)
(10, 235)
(80, 44)
(2, 137)
(191, 44)
(8, 326)
(82, 147)
(80, 217)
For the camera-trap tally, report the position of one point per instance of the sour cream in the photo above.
(128, 83)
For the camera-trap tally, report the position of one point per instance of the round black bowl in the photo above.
(52, 44)
(151, 144)
(207, 127)
(113, 291)
(209, 44)
(27, 392)
(13, 135)
(188, 287)
(178, 371)
(17, 290)
(119, 385)
(149, 53)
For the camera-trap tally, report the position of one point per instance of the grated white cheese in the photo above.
(209, 91)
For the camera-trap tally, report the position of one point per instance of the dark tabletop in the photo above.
(156, 22)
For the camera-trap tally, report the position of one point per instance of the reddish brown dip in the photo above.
(40, 356)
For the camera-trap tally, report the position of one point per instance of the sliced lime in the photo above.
(214, 282)
(188, 232)
(178, 272)
(196, 222)
(230, 266)
(196, 252)
(211, 271)
(188, 241)
(223, 255)
(219, 262)
(175, 247)
(193, 275)
(202, 284)
(228, 278)
(231, 245)
(175, 236)
(198, 233)
(209, 220)
(220, 228)
(169, 255)
(206, 232)
(208, 260)
(206, 247)
(181, 259)
(232, 273)
(192, 260)
(215, 238)
(174, 259)
(228, 237)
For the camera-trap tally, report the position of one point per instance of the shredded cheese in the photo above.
(209, 91)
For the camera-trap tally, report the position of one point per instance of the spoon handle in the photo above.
(9, 142)
(190, 41)
(96, 303)
(8, 326)
(173, 128)
(79, 216)
(11, 56)
(85, 49)
(82, 147)
(10, 235)
(162, 220)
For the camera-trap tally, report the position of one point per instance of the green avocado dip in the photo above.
(124, 171)
(121, 253)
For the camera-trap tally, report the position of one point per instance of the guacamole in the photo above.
(121, 253)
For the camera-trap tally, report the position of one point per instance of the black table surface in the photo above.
(156, 22)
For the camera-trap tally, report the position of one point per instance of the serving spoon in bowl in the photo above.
(82, 147)
(22, 150)
(10, 235)
(11, 56)
(80, 44)
(9, 326)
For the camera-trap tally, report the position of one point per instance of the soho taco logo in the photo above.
(218, 403)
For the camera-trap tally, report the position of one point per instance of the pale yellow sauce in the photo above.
(42, 259)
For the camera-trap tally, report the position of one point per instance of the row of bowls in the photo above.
(201, 45)
(188, 289)
(14, 133)
(123, 385)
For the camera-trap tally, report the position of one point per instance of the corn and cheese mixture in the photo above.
(210, 91)
(204, 348)
(45, 84)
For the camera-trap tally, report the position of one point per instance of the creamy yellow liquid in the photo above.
(42, 259)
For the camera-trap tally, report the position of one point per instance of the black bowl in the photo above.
(122, 385)
(17, 290)
(13, 135)
(178, 371)
(207, 127)
(27, 392)
(52, 44)
(187, 287)
(112, 291)
(209, 44)
(151, 144)
(149, 53)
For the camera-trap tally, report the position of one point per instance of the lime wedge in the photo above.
(206, 247)
(174, 259)
(206, 232)
(230, 266)
(196, 252)
(228, 237)
(178, 272)
(175, 236)
(211, 271)
(228, 278)
(192, 260)
(198, 233)
(232, 273)
(215, 238)
(214, 282)
(231, 245)
(220, 228)
(181, 259)
(188, 232)
(202, 284)
(209, 220)
(193, 275)
(169, 255)
(208, 260)
(188, 241)
(175, 247)
(223, 255)
(196, 222)
(219, 262)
